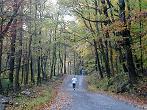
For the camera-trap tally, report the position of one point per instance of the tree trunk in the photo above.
(26, 73)
(43, 63)
(140, 36)
(32, 70)
(129, 57)
(105, 58)
(61, 60)
(1, 48)
(58, 67)
(127, 44)
(17, 85)
(53, 63)
(97, 60)
(12, 54)
(111, 58)
(65, 59)
(29, 46)
(22, 71)
(98, 66)
(105, 11)
(39, 71)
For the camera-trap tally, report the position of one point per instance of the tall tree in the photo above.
(19, 55)
(127, 43)
(12, 48)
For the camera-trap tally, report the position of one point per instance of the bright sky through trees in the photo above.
(69, 18)
(53, 1)
(66, 17)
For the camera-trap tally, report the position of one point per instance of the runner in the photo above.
(74, 81)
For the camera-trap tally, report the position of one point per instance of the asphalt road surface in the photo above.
(81, 99)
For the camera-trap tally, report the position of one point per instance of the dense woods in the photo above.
(33, 45)
(40, 39)
(111, 38)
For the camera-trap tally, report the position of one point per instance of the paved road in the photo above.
(81, 99)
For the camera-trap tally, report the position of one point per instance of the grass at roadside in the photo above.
(135, 94)
(40, 95)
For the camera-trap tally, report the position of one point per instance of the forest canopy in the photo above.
(40, 39)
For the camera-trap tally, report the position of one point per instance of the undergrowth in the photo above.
(117, 84)
(39, 95)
